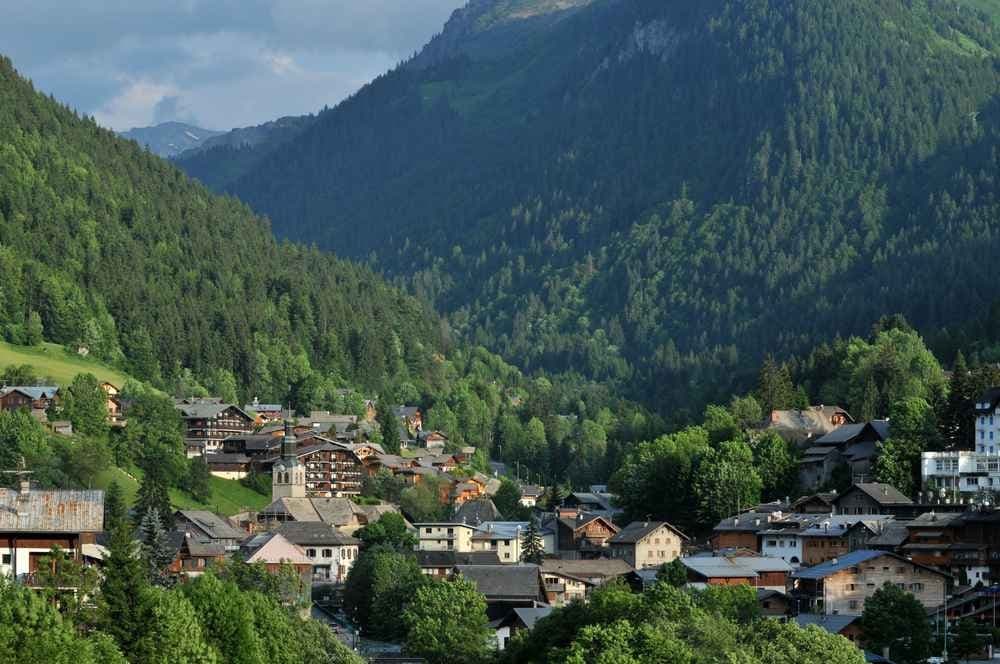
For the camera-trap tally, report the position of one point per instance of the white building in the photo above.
(988, 423)
(969, 472)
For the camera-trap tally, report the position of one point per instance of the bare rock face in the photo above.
(489, 28)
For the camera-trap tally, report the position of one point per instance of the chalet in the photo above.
(114, 404)
(801, 426)
(595, 572)
(809, 539)
(441, 564)
(28, 397)
(943, 540)
(205, 525)
(852, 444)
(266, 412)
(773, 602)
(432, 440)
(193, 554)
(562, 587)
(756, 571)
(332, 470)
(331, 552)
(208, 422)
(520, 619)
(33, 521)
(842, 585)
(872, 498)
(505, 587)
(580, 534)
(531, 494)
(252, 445)
(276, 553)
(228, 466)
(644, 544)
(410, 418)
(817, 503)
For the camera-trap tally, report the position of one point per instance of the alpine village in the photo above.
(592, 332)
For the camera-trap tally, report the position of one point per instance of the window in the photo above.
(901, 586)
(649, 554)
(311, 553)
(427, 530)
(854, 604)
(507, 555)
(327, 553)
(6, 559)
(772, 542)
(451, 531)
(869, 585)
(916, 587)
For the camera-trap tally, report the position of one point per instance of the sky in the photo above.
(217, 64)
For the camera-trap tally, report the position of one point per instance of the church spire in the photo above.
(288, 445)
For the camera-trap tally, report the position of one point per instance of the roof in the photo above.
(336, 511)
(315, 533)
(276, 549)
(33, 392)
(935, 519)
(849, 432)
(734, 567)
(204, 410)
(602, 501)
(211, 524)
(883, 494)
(892, 535)
(527, 617)
(987, 401)
(439, 559)
(499, 582)
(203, 548)
(221, 458)
(746, 522)
(63, 511)
(601, 568)
(815, 419)
(500, 530)
(849, 560)
(639, 530)
(834, 624)
(406, 411)
(531, 491)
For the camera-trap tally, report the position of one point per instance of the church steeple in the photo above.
(288, 476)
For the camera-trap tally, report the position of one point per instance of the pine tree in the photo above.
(153, 494)
(775, 390)
(389, 427)
(198, 480)
(155, 546)
(869, 402)
(953, 425)
(115, 512)
(122, 610)
(532, 545)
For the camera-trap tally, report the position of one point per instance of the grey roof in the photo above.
(226, 458)
(38, 511)
(475, 512)
(883, 494)
(500, 530)
(316, 533)
(746, 522)
(603, 501)
(935, 519)
(848, 432)
(440, 559)
(849, 560)
(740, 567)
(639, 530)
(832, 623)
(532, 491)
(405, 411)
(203, 410)
(600, 568)
(528, 616)
(990, 398)
(33, 392)
(211, 524)
(204, 548)
(500, 582)
(892, 535)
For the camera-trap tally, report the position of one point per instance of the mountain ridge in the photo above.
(169, 139)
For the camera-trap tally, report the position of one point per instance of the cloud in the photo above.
(222, 62)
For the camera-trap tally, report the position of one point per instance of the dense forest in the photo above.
(107, 248)
(656, 194)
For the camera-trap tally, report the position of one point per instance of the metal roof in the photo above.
(499, 582)
(742, 567)
(40, 511)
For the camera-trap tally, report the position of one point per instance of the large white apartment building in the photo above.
(969, 472)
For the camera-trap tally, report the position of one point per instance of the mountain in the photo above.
(169, 139)
(224, 158)
(108, 247)
(656, 194)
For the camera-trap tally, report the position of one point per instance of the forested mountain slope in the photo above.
(105, 246)
(657, 193)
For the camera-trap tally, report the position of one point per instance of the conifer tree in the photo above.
(155, 546)
(122, 611)
(532, 545)
(153, 494)
(775, 390)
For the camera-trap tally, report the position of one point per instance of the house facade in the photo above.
(208, 422)
(648, 544)
(332, 553)
(444, 537)
(841, 586)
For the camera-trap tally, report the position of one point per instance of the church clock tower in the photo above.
(288, 476)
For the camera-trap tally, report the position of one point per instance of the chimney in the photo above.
(885, 490)
(25, 486)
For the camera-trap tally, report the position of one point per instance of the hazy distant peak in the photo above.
(169, 139)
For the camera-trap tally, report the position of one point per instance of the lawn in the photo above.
(228, 496)
(52, 361)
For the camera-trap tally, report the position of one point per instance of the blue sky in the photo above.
(218, 64)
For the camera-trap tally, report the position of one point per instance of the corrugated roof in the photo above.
(741, 567)
(42, 511)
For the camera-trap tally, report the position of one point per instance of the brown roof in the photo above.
(38, 511)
